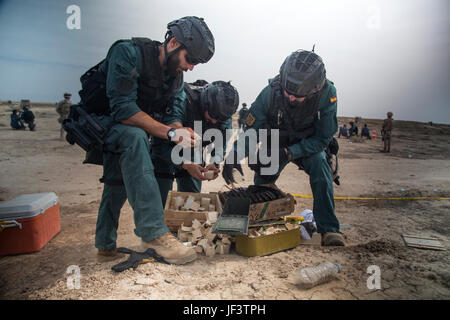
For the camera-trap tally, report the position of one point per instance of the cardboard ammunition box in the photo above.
(264, 245)
(28, 222)
(174, 218)
(274, 209)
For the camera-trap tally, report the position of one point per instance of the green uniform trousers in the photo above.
(128, 160)
(321, 182)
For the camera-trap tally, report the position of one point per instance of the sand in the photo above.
(418, 165)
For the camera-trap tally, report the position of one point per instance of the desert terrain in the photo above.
(419, 165)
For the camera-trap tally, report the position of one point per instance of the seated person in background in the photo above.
(28, 117)
(365, 132)
(343, 131)
(353, 129)
(16, 123)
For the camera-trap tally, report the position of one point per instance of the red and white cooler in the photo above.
(28, 222)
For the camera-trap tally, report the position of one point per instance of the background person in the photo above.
(16, 123)
(28, 117)
(63, 109)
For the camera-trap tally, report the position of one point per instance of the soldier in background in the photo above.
(28, 117)
(386, 132)
(63, 109)
(16, 123)
(343, 131)
(365, 132)
(353, 129)
(242, 115)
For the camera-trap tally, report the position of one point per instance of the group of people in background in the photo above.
(353, 131)
(365, 132)
(20, 119)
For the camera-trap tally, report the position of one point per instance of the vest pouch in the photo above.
(94, 155)
(88, 132)
(93, 92)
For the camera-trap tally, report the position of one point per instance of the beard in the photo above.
(294, 104)
(173, 62)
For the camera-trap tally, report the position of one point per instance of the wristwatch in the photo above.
(171, 133)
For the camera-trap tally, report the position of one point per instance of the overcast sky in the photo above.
(381, 55)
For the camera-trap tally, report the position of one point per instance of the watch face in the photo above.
(171, 133)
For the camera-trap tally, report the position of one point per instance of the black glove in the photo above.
(135, 259)
(227, 172)
(283, 157)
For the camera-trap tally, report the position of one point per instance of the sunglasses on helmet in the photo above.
(190, 59)
(302, 96)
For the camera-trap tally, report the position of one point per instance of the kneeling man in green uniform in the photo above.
(301, 103)
(210, 105)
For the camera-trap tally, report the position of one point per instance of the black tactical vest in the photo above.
(294, 123)
(152, 98)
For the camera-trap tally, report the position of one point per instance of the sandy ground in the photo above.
(419, 165)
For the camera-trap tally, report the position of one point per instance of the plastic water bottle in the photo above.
(310, 277)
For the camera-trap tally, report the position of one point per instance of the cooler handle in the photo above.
(9, 224)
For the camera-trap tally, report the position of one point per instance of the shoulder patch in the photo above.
(250, 120)
(333, 100)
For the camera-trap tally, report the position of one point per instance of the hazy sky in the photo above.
(391, 55)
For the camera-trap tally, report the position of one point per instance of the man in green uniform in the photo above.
(301, 103)
(144, 80)
(212, 105)
(242, 115)
(63, 109)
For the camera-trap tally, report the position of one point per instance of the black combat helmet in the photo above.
(193, 33)
(220, 99)
(302, 73)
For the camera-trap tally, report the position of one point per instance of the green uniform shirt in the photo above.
(124, 65)
(325, 123)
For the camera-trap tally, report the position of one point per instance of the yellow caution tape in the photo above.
(360, 198)
(294, 219)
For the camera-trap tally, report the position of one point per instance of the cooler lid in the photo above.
(27, 205)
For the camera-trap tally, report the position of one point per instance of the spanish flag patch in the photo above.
(333, 100)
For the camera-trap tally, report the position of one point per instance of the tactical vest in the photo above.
(152, 98)
(294, 123)
(194, 110)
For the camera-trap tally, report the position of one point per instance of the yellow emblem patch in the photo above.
(250, 120)
(333, 100)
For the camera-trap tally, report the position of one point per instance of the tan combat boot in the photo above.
(108, 255)
(171, 249)
(332, 239)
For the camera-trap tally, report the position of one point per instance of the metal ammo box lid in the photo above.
(27, 205)
(235, 217)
